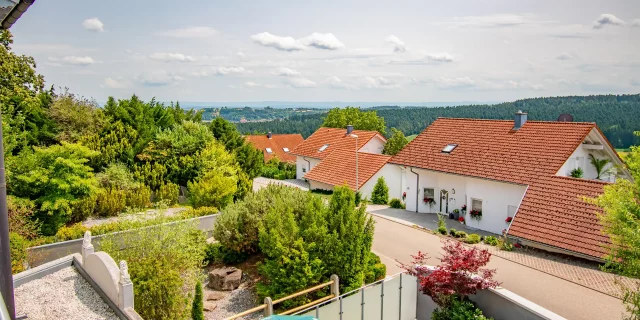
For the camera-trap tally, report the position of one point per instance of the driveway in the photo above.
(394, 241)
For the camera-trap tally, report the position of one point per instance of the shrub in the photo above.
(74, 231)
(396, 204)
(505, 244)
(376, 270)
(20, 217)
(472, 239)
(199, 212)
(460, 234)
(138, 197)
(233, 257)
(442, 225)
(83, 208)
(380, 193)
(213, 253)
(358, 198)
(491, 240)
(214, 189)
(168, 192)
(164, 264)
(110, 202)
(18, 249)
(457, 309)
(197, 309)
(577, 173)
(453, 232)
(117, 175)
(442, 230)
(451, 278)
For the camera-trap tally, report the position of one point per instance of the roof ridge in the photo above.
(586, 181)
(507, 120)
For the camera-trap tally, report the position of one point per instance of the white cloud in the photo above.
(189, 32)
(635, 23)
(158, 78)
(93, 24)
(113, 83)
(448, 83)
(380, 83)
(607, 19)
(221, 71)
(398, 45)
(337, 83)
(325, 41)
(251, 84)
(440, 57)
(167, 57)
(72, 60)
(565, 56)
(536, 87)
(286, 72)
(497, 20)
(300, 83)
(240, 55)
(281, 43)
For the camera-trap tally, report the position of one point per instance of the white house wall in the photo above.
(580, 158)
(392, 176)
(302, 166)
(496, 197)
(375, 145)
(315, 185)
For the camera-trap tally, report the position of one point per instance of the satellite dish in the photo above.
(565, 117)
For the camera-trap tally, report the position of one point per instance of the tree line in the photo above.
(618, 116)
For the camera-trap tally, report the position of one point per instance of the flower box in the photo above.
(476, 214)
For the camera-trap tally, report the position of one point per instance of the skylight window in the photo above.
(449, 148)
(285, 149)
(323, 148)
(269, 150)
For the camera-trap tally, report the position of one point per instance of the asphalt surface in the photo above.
(394, 241)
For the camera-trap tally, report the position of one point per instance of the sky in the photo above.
(400, 51)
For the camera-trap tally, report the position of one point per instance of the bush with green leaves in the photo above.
(276, 169)
(217, 184)
(168, 192)
(491, 240)
(577, 172)
(460, 235)
(20, 217)
(376, 270)
(472, 239)
(396, 204)
(452, 232)
(18, 249)
(164, 265)
(442, 225)
(380, 193)
(110, 202)
(197, 308)
(139, 197)
(457, 309)
(505, 244)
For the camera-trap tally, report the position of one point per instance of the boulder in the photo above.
(209, 306)
(225, 278)
(215, 296)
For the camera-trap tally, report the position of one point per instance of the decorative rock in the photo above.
(215, 296)
(209, 306)
(225, 278)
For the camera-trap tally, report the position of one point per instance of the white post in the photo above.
(125, 288)
(335, 286)
(87, 247)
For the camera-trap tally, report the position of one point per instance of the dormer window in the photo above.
(269, 150)
(285, 149)
(449, 148)
(324, 147)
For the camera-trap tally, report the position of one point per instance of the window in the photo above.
(304, 170)
(429, 193)
(269, 150)
(324, 147)
(449, 148)
(285, 149)
(476, 204)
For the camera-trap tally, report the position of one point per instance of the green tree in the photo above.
(395, 143)
(349, 239)
(226, 133)
(115, 143)
(249, 159)
(361, 120)
(197, 310)
(380, 193)
(217, 183)
(164, 264)
(55, 177)
(621, 221)
(76, 117)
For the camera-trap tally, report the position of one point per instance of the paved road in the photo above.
(396, 241)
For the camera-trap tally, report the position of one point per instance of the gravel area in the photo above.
(236, 301)
(61, 295)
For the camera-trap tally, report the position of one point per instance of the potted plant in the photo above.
(456, 214)
(476, 214)
(461, 220)
(404, 196)
(429, 201)
(464, 209)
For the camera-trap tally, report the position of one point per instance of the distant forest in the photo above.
(618, 116)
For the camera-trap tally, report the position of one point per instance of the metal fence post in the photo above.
(362, 304)
(382, 301)
(400, 305)
(269, 309)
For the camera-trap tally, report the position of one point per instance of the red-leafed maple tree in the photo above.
(460, 273)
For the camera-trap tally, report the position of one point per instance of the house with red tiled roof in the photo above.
(324, 141)
(276, 145)
(514, 176)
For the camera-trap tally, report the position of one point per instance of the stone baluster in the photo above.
(87, 247)
(125, 287)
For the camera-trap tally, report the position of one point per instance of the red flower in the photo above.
(517, 245)
(508, 219)
(461, 219)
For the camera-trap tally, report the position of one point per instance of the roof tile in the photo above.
(277, 143)
(336, 138)
(339, 167)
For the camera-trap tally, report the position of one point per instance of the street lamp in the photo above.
(355, 136)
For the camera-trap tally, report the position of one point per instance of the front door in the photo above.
(444, 201)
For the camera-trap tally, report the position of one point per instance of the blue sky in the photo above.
(409, 51)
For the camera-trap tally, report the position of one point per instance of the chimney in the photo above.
(349, 129)
(520, 119)
(269, 135)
